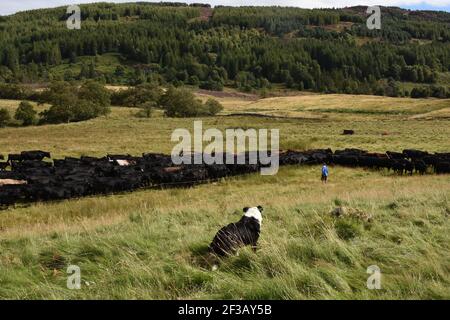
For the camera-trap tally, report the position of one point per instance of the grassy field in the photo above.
(151, 244)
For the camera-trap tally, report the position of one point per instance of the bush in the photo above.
(213, 107)
(72, 104)
(181, 103)
(420, 92)
(137, 96)
(12, 91)
(212, 85)
(97, 95)
(25, 113)
(438, 92)
(146, 110)
(5, 117)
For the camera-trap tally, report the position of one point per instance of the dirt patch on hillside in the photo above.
(206, 14)
(228, 94)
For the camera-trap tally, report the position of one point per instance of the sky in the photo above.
(11, 6)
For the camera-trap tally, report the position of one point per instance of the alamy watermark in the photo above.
(374, 280)
(191, 149)
(74, 20)
(374, 20)
(74, 278)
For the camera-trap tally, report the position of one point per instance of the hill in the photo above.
(249, 48)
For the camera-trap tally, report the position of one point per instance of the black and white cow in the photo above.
(245, 232)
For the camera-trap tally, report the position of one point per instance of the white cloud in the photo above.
(11, 6)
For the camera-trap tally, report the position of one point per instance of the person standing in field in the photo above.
(324, 173)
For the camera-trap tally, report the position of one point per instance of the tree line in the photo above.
(71, 102)
(250, 48)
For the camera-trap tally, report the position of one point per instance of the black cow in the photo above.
(348, 132)
(442, 167)
(350, 152)
(414, 154)
(292, 157)
(35, 155)
(420, 166)
(402, 166)
(345, 160)
(14, 157)
(430, 160)
(395, 155)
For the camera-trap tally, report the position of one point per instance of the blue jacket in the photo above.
(325, 171)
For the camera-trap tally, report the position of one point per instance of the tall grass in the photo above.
(152, 244)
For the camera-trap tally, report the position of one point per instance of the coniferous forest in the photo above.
(249, 48)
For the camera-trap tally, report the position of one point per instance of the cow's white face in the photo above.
(254, 212)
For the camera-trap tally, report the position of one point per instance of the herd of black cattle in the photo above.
(30, 177)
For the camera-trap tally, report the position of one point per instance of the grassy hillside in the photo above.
(249, 48)
(152, 243)
(305, 121)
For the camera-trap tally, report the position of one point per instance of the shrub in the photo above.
(5, 117)
(97, 95)
(182, 103)
(438, 92)
(146, 110)
(25, 113)
(213, 107)
(212, 85)
(12, 91)
(420, 92)
(137, 96)
(72, 104)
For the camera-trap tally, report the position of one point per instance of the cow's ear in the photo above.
(245, 209)
(260, 208)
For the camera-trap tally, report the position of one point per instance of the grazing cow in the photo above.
(160, 160)
(11, 175)
(14, 157)
(420, 166)
(346, 160)
(374, 162)
(443, 167)
(242, 233)
(402, 166)
(216, 171)
(350, 152)
(409, 167)
(395, 155)
(35, 155)
(348, 132)
(414, 154)
(292, 157)
(13, 193)
(3, 165)
(430, 160)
